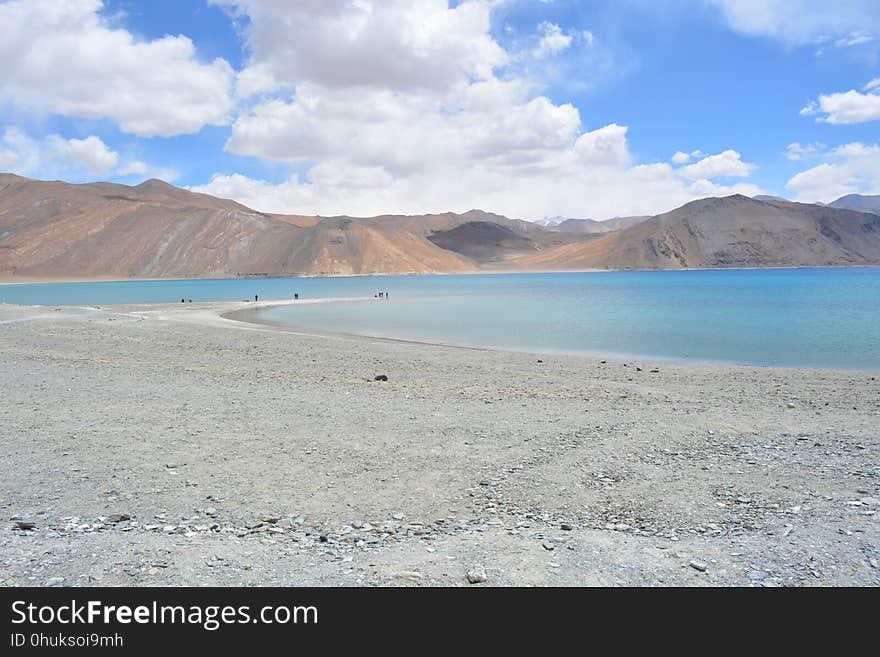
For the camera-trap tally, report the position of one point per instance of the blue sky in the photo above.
(528, 107)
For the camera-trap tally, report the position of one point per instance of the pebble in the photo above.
(548, 545)
(700, 565)
(381, 377)
(477, 576)
(410, 575)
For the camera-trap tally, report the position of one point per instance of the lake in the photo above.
(788, 317)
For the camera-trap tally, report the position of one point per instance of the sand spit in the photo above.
(173, 445)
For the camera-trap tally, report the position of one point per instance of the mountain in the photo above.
(767, 197)
(857, 202)
(592, 226)
(735, 231)
(155, 230)
(54, 229)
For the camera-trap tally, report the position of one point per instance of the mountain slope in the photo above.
(59, 230)
(735, 231)
(591, 226)
(155, 230)
(857, 202)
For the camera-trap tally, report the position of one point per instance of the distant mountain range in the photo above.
(858, 203)
(56, 230)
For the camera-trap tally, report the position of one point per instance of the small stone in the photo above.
(380, 377)
(410, 575)
(870, 501)
(357, 524)
(548, 545)
(700, 565)
(55, 581)
(153, 571)
(477, 576)
(300, 519)
(115, 518)
(25, 525)
(397, 516)
(789, 405)
(566, 527)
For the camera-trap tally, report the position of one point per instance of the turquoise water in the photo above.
(789, 317)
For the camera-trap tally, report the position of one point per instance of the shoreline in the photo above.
(246, 315)
(41, 280)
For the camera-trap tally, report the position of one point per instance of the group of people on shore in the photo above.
(381, 295)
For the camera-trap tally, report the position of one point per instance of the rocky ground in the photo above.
(165, 446)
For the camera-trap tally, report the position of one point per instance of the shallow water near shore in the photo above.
(783, 317)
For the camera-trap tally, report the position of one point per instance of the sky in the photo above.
(528, 108)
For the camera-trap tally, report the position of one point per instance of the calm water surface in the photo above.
(790, 317)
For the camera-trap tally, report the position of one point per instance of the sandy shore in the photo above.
(170, 445)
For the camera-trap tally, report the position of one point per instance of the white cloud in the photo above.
(798, 151)
(386, 44)
(63, 57)
(91, 154)
(77, 160)
(849, 169)
(847, 107)
(412, 107)
(134, 168)
(54, 155)
(553, 40)
(801, 22)
(680, 157)
(728, 164)
(590, 176)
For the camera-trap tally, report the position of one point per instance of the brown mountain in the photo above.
(155, 230)
(735, 231)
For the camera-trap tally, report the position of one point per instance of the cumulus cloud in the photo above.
(592, 174)
(134, 168)
(728, 164)
(853, 168)
(801, 22)
(53, 156)
(63, 57)
(385, 44)
(847, 107)
(553, 40)
(412, 107)
(90, 153)
(22, 154)
(681, 157)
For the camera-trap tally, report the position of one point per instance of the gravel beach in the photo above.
(169, 445)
